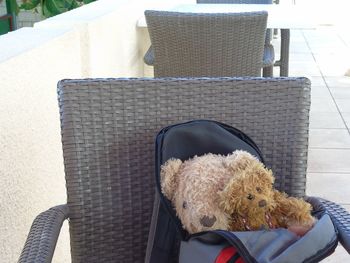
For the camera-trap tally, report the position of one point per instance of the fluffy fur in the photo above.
(232, 192)
(193, 187)
(252, 202)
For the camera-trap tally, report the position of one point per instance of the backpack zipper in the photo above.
(237, 243)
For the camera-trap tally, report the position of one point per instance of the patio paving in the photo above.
(323, 55)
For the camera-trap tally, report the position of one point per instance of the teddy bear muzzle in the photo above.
(262, 203)
(207, 221)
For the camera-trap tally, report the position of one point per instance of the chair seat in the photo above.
(268, 59)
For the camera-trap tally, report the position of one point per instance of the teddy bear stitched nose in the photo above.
(262, 203)
(207, 221)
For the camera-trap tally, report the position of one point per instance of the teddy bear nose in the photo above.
(207, 221)
(262, 203)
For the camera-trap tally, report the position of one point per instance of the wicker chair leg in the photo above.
(268, 71)
(284, 60)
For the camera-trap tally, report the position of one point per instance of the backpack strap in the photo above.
(229, 255)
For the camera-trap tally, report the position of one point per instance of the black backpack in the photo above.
(169, 242)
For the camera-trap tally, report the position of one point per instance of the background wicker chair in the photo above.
(269, 52)
(108, 130)
(212, 45)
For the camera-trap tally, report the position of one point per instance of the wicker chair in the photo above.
(213, 45)
(269, 52)
(108, 130)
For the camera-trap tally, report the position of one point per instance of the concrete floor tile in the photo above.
(329, 39)
(297, 34)
(319, 92)
(324, 50)
(296, 47)
(317, 81)
(346, 116)
(340, 93)
(323, 105)
(343, 33)
(323, 120)
(343, 104)
(305, 58)
(334, 187)
(339, 256)
(319, 34)
(329, 138)
(319, 85)
(329, 161)
(333, 64)
(301, 73)
(338, 82)
(334, 70)
(276, 71)
(303, 65)
(304, 69)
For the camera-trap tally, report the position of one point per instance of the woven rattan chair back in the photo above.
(212, 45)
(108, 131)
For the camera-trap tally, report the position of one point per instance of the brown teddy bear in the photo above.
(233, 192)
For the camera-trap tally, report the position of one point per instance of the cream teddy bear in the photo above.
(233, 192)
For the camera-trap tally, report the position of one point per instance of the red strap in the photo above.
(226, 254)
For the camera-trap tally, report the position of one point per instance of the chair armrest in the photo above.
(340, 218)
(149, 57)
(43, 235)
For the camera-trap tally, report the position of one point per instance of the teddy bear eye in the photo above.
(258, 189)
(250, 197)
(184, 205)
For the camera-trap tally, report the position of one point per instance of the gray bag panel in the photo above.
(265, 246)
(195, 251)
(319, 237)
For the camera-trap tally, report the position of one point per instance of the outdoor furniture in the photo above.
(269, 52)
(213, 45)
(108, 131)
(280, 17)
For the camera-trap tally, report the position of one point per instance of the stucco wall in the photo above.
(31, 167)
(97, 40)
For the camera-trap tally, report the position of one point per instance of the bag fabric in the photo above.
(275, 246)
(171, 243)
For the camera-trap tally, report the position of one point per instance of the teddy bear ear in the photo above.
(239, 160)
(168, 177)
(229, 195)
(266, 177)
